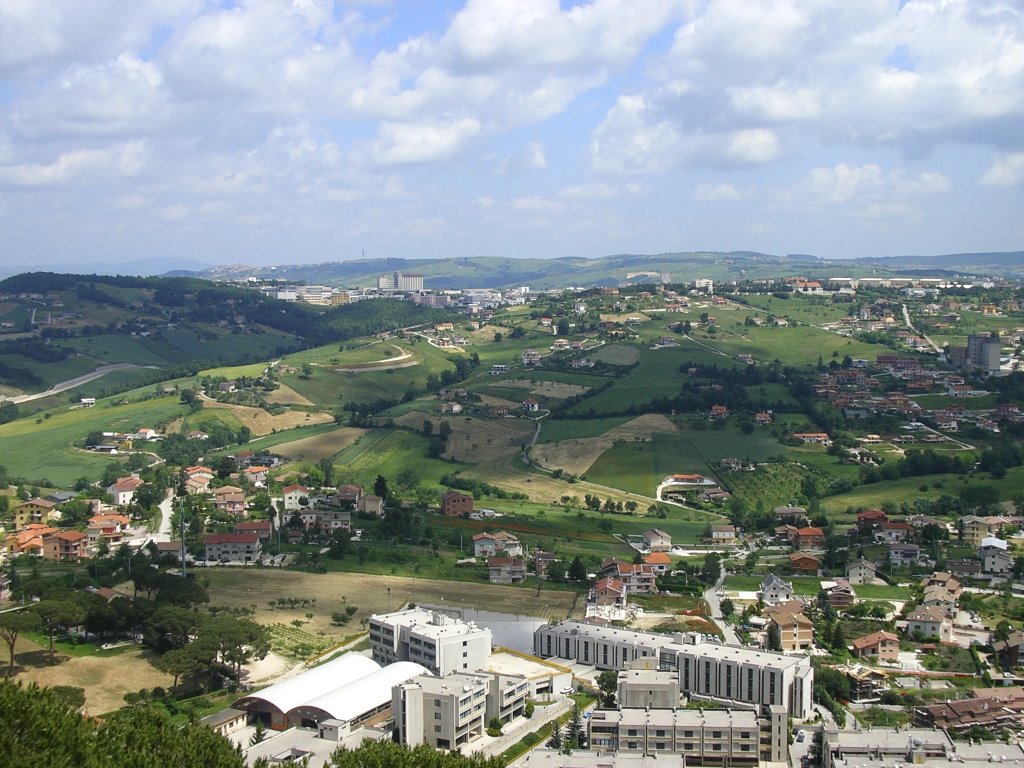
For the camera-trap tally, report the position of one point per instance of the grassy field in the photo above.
(388, 452)
(814, 311)
(656, 375)
(909, 488)
(45, 444)
(799, 345)
(933, 402)
(639, 466)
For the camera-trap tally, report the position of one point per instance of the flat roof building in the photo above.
(439, 642)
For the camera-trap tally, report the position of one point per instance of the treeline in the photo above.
(917, 463)
(479, 488)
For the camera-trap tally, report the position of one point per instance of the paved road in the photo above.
(78, 381)
(163, 532)
(714, 605)
(906, 320)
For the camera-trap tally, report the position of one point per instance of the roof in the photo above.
(226, 489)
(810, 532)
(505, 562)
(315, 682)
(656, 533)
(67, 535)
(874, 638)
(295, 487)
(610, 583)
(927, 613)
(365, 693)
(658, 558)
(995, 543)
(231, 538)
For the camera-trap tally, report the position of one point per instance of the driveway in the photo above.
(714, 602)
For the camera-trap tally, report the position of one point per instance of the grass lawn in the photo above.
(935, 402)
(810, 586)
(794, 345)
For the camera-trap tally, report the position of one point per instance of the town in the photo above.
(743, 522)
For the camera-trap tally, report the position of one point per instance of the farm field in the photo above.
(799, 345)
(617, 354)
(263, 423)
(325, 445)
(557, 430)
(656, 375)
(639, 467)
(814, 311)
(387, 452)
(49, 452)
(577, 455)
(242, 588)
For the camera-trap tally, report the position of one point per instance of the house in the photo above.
(904, 555)
(839, 594)
(123, 490)
(530, 357)
(723, 534)
(929, 623)
(261, 528)
(450, 408)
(257, 475)
(609, 591)
(967, 568)
(34, 511)
(774, 590)
(815, 438)
(995, 557)
(106, 528)
(936, 596)
(660, 562)
(879, 646)
(296, 496)
(371, 504)
(29, 540)
(229, 499)
(506, 570)
(348, 493)
(796, 631)
(232, 547)
(810, 538)
(1008, 650)
(890, 531)
(530, 405)
(763, 417)
(657, 540)
(801, 562)
(638, 579)
(791, 513)
(541, 561)
(454, 503)
(866, 684)
(869, 519)
(490, 544)
(331, 519)
(861, 571)
(718, 412)
(64, 546)
(199, 476)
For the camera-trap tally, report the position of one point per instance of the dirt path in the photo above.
(78, 381)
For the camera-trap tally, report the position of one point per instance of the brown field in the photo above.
(369, 593)
(623, 317)
(105, 679)
(551, 390)
(477, 440)
(285, 395)
(320, 446)
(576, 456)
(492, 400)
(616, 354)
(262, 423)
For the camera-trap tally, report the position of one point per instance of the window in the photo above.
(437, 702)
(716, 734)
(437, 729)
(437, 715)
(716, 747)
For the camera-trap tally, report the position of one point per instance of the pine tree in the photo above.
(555, 742)
(574, 729)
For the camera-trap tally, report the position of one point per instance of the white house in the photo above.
(860, 571)
(490, 544)
(774, 590)
(994, 554)
(294, 496)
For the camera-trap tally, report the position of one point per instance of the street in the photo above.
(713, 600)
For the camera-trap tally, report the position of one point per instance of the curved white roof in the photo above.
(360, 696)
(337, 673)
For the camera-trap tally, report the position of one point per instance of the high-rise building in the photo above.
(439, 642)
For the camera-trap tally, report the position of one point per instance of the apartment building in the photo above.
(647, 688)
(439, 642)
(227, 547)
(706, 670)
(444, 712)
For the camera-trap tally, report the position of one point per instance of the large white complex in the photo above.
(443, 712)
(439, 642)
(349, 691)
(729, 673)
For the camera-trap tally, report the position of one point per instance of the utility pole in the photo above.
(181, 527)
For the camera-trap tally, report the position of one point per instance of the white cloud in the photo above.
(755, 145)
(1005, 171)
(78, 165)
(533, 158)
(721, 192)
(595, 190)
(536, 205)
(423, 142)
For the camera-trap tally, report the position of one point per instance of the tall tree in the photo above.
(380, 487)
(58, 614)
(12, 624)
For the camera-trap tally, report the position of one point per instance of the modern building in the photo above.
(439, 642)
(796, 631)
(647, 688)
(444, 712)
(490, 544)
(712, 671)
(65, 546)
(232, 547)
(930, 622)
(774, 590)
(880, 646)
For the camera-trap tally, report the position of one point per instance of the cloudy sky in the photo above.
(283, 131)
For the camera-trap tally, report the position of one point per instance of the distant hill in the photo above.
(137, 267)
(1002, 263)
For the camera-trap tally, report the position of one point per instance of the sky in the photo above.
(287, 131)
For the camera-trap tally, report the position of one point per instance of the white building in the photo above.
(994, 554)
(439, 642)
(444, 712)
(774, 590)
(706, 670)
